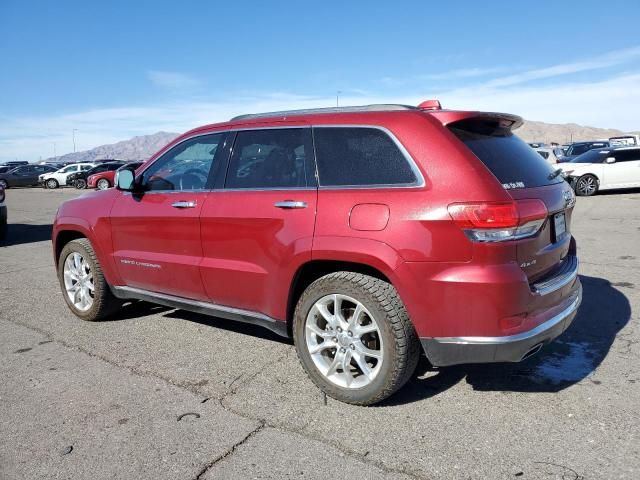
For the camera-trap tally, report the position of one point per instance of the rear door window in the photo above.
(277, 158)
(514, 163)
(360, 156)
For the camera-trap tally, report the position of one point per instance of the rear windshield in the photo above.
(513, 162)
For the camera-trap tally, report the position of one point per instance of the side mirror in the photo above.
(610, 160)
(124, 180)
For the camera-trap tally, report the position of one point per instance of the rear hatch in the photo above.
(525, 175)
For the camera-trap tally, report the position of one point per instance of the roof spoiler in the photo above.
(505, 120)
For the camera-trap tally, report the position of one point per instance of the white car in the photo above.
(59, 177)
(603, 169)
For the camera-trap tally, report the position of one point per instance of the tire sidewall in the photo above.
(342, 286)
(588, 175)
(68, 249)
(101, 182)
(51, 183)
(4, 183)
(81, 184)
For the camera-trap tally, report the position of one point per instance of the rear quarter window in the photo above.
(360, 156)
(513, 162)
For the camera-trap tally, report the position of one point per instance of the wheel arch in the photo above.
(312, 270)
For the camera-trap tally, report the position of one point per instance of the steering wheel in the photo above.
(193, 179)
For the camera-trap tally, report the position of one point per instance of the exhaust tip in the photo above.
(532, 351)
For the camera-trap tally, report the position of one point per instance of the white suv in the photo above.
(59, 177)
(603, 169)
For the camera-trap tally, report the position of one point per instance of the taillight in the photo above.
(499, 221)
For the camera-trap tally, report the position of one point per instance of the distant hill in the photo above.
(142, 147)
(563, 133)
(136, 148)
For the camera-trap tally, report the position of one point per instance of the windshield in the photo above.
(592, 156)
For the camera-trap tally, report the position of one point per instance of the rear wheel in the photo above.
(81, 184)
(103, 184)
(3, 183)
(51, 183)
(83, 285)
(586, 185)
(354, 337)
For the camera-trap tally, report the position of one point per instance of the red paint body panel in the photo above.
(237, 249)
(92, 181)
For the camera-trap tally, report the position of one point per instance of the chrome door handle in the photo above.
(183, 204)
(287, 204)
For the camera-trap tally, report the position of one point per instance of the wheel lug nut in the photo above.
(339, 329)
(342, 350)
(350, 333)
(352, 346)
(334, 339)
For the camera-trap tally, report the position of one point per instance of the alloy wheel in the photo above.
(344, 341)
(103, 184)
(78, 281)
(586, 186)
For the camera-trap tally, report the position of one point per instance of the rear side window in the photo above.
(272, 158)
(514, 163)
(627, 155)
(359, 156)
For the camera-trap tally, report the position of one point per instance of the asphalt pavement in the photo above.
(159, 393)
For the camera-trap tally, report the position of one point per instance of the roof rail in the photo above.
(384, 107)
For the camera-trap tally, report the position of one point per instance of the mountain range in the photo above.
(142, 147)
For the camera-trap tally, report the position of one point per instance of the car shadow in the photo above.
(571, 358)
(21, 233)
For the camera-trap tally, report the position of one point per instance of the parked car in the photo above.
(79, 179)
(365, 233)
(603, 169)
(5, 168)
(104, 180)
(578, 148)
(59, 177)
(15, 163)
(625, 140)
(3, 214)
(23, 175)
(549, 154)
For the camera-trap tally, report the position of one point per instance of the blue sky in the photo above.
(116, 69)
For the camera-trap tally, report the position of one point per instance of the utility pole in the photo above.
(73, 135)
(54, 152)
(338, 98)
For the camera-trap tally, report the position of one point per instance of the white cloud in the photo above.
(611, 103)
(463, 73)
(172, 80)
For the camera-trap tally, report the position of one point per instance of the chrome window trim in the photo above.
(419, 183)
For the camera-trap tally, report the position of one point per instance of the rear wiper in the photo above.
(554, 174)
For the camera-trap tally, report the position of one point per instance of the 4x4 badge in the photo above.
(569, 198)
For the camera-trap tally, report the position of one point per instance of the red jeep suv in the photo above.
(365, 233)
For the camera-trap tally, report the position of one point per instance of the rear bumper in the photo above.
(444, 351)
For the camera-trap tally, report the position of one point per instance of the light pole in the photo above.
(73, 136)
(338, 97)
(54, 152)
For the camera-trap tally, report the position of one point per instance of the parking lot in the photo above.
(160, 393)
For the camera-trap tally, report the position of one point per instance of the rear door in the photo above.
(156, 234)
(525, 175)
(257, 228)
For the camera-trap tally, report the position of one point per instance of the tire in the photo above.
(394, 337)
(80, 184)
(586, 185)
(51, 183)
(103, 184)
(103, 303)
(4, 184)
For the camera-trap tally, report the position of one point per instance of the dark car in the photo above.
(79, 180)
(3, 215)
(24, 175)
(578, 148)
(365, 233)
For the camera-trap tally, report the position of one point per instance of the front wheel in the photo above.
(354, 337)
(103, 184)
(51, 183)
(586, 185)
(81, 184)
(83, 285)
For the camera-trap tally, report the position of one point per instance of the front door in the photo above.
(625, 172)
(258, 229)
(156, 233)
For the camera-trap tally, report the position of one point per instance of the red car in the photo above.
(366, 233)
(104, 180)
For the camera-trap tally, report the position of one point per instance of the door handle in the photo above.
(289, 204)
(183, 204)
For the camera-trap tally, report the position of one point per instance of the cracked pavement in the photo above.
(114, 391)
